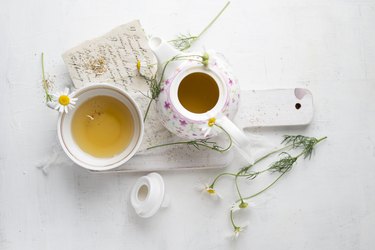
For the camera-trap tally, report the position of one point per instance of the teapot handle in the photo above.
(239, 138)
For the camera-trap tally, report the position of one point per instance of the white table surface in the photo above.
(328, 202)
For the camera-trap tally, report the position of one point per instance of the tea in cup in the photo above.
(104, 130)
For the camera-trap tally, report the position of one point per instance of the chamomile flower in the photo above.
(139, 66)
(210, 191)
(64, 101)
(144, 69)
(237, 231)
(239, 205)
(205, 59)
(210, 123)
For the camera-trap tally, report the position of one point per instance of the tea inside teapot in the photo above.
(198, 92)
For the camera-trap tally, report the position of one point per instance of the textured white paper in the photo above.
(113, 58)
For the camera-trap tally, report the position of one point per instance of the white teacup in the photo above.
(84, 159)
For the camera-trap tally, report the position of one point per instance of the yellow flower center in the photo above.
(64, 100)
(211, 121)
(138, 65)
(211, 191)
(243, 205)
(205, 56)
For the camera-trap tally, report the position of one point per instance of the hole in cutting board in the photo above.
(298, 105)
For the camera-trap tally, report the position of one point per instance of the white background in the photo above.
(328, 202)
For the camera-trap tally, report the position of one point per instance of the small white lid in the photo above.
(147, 195)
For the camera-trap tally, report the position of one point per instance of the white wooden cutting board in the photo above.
(258, 108)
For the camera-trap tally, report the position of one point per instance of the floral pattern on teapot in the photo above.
(184, 127)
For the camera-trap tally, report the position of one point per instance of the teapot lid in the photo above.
(147, 195)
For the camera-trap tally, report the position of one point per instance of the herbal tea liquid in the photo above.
(198, 93)
(102, 126)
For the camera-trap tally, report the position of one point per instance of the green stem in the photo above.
(246, 175)
(257, 161)
(199, 143)
(321, 139)
(183, 142)
(232, 220)
(213, 20)
(175, 58)
(195, 60)
(155, 88)
(237, 188)
(217, 178)
(294, 160)
(45, 85)
(144, 94)
(210, 147)
(148, 108)
(186, 56)
(265, 189)
(169, 144)
(228, 135)
(189, 40)
(183, 39)
(271, 153)
(43, 76)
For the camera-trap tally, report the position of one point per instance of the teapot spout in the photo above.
(164, 52)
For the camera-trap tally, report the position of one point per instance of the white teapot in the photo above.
(196, 92)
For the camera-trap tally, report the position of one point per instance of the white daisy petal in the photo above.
(51, 105)
(211, 192)
(66, 109)
(235, 208)
(66, 91)
(237, 232)
(240, 205)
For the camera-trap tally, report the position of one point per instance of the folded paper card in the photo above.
(113, 58)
